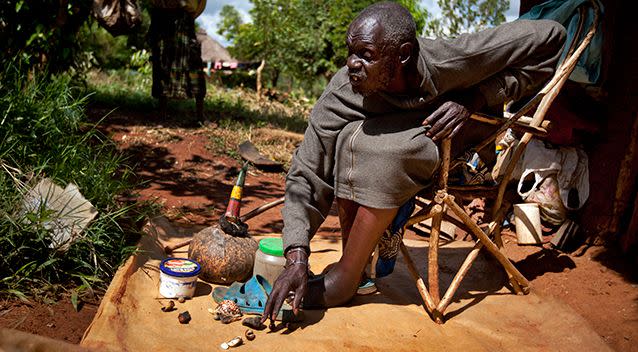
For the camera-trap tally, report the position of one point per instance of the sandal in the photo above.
(366, 287)
(251, 298)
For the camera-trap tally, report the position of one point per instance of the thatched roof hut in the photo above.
(211, 49)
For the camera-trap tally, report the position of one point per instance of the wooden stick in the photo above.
(422, 202)
(418, 218)
(460, 275)
(446, 146)
(251, 214)
(258, 83)
(555, 84)
(433, 254)
(525, 120)
(497, 220)
(521, 125)
(547, 96)
(455, 222)
(430, 307)
(489, 245)
(170, 248)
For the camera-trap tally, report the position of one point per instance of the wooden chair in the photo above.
(444, 198)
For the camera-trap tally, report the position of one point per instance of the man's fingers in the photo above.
(442, 127)
(278, 302)
(277, 295)
(299, 295)
(267, 309)
(457, 129)
(433, 117)
(272, 299)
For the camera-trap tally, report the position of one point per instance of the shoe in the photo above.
(251, 298)
(366, 287)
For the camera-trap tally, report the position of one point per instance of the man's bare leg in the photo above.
(347, 211)
(340, 283)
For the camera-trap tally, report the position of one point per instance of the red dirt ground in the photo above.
(193, 184)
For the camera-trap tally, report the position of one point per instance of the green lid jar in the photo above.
(269, 258)
(272, 245)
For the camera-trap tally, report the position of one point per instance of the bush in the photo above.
(43, 133)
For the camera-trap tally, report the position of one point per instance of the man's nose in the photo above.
(353, 63)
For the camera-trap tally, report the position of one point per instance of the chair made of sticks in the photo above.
(444, 198)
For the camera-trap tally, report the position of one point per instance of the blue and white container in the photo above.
(178, 277)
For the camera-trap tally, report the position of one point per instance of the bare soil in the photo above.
(193, 184)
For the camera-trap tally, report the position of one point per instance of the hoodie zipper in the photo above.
(350, 171)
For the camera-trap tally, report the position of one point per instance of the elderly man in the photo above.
(368, 145)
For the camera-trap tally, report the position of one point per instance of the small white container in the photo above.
(269, 259)
(528, 223)
(178, 277)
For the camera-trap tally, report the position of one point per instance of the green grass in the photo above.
(131, 90)
(232, 115)
(44, 133)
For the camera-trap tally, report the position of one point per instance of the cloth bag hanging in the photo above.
(117, 16)
(560, 179)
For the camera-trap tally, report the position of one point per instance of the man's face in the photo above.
(371, 66)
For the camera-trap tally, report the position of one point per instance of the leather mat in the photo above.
(484, 315)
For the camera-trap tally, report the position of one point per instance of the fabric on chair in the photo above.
(587, 69)
(391, 240)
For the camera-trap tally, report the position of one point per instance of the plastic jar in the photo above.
(269, 258)
(178, 277)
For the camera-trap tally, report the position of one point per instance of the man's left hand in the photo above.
(446, 120)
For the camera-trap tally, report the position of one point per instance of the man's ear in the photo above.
(405, 52)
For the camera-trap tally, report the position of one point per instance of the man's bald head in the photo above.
(381, 50)
(397, 22)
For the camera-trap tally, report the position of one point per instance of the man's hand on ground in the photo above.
(446, 121)
(294, 279)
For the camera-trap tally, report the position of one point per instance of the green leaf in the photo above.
(18, 294)
(74, 300)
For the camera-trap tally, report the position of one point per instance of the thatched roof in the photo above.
(211, 49)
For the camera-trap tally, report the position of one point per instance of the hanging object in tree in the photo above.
(117, 16)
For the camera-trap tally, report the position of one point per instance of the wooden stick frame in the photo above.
(444, 202)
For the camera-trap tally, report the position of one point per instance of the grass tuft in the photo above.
(232, 114)
(44, 133)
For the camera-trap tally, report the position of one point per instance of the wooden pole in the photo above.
(446, 146)
(430, 307)
(489, 245)
(259, 69)
(460, 275)
(251, 214)
(418, 218)
(555, 84)
(170, 248)
(433, 254)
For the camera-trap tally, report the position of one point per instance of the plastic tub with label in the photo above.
(178, 277)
